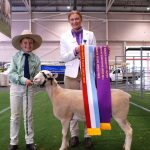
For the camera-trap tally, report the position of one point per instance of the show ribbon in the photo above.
(89, 90)
(103, 86)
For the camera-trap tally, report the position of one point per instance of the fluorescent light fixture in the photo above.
(68, 7)
(148, 8)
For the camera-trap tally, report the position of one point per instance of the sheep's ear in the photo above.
(54, 75)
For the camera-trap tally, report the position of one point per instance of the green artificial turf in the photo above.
(48, 128)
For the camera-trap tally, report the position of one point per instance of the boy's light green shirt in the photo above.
(16, 72)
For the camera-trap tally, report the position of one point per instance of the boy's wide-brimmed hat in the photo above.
(27, 34)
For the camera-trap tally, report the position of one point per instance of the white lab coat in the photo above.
(67, 46)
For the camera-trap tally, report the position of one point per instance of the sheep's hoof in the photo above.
(63, 148)
(124, 147)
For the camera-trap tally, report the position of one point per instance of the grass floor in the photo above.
(48, 128)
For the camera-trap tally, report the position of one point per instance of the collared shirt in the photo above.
(16, 72)
(78, 35)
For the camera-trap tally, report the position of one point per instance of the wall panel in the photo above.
(123, 29)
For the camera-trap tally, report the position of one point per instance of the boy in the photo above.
(24, 66)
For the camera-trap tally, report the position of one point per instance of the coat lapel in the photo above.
(72, 39)
(85, 37)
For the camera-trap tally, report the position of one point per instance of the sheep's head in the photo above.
(43, 76)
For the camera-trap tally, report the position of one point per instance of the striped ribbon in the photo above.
(96, 88)
(89, 90)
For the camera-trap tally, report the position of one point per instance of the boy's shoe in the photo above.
(13, 147)
(31, 146)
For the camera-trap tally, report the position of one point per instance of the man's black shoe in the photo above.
(87, 142)
(31, 146)
(13, 147)
(74, 141)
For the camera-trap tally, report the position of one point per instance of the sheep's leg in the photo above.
(65, 127)
(125, 126)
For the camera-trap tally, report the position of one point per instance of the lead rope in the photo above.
(27, 110)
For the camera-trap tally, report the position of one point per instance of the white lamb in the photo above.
(68, 102)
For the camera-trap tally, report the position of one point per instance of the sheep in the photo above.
(68, 103)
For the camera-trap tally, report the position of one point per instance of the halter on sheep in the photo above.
(46, 78)
(68, 102)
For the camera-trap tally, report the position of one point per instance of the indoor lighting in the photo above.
(148, 8)
(68, 7)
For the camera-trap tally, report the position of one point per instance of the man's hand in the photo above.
(77, 49)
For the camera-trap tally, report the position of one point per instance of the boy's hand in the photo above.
(28, 82)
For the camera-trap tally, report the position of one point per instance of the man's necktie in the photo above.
(26, 66)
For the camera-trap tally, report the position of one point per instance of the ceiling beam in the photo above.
(88, 5)
(26, 3)
(75, 5)
(109, 4)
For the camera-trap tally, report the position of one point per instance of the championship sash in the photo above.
(89, 90)
(96, 88)
(103, 86)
